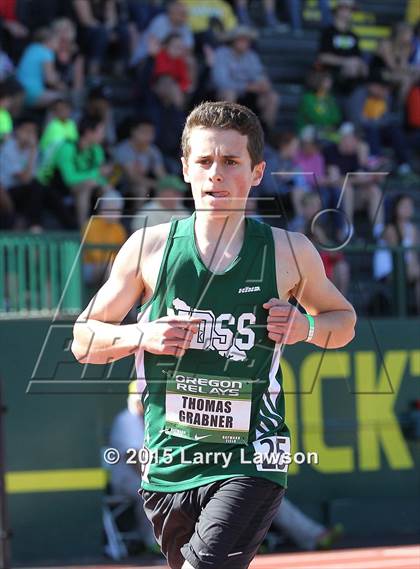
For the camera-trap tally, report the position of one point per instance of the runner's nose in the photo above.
(215, 173)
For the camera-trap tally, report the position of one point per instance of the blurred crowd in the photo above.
(94, 95)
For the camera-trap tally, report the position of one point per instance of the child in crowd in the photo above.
(171, 60)
(6, 121)
(141, 161)
(60, 127)
(319, 108)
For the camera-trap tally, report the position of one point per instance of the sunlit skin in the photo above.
(221, 176)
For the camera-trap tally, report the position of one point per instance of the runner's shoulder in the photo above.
(292, 241)
(151, 240)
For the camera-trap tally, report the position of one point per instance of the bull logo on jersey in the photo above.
(214, 334)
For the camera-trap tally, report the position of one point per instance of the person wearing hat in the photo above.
(339, 51)
(167, 205)
(239, 76)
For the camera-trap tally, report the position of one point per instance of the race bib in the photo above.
(208, 409)
(274, 453)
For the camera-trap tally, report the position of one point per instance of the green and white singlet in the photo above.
(218, 411)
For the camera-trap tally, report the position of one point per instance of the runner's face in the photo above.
(219, 169)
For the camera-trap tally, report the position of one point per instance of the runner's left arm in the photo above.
(334, 316)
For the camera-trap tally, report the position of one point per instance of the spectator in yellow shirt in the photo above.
(105, 228)
(199, 14)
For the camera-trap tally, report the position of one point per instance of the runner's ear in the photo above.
(258, 173)
(185, 170)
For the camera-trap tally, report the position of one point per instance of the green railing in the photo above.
(40, 274)
(43, 273)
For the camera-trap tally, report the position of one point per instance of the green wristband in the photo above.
(311, 327)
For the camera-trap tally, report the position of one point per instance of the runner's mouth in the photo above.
(217, 194)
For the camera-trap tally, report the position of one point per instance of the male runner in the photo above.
(214, 290)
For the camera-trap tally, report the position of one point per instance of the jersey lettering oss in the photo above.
(214, 333)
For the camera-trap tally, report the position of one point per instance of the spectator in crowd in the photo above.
(336, 267)
(127, 432)
(282, 178)
(69, 61)
(36, 70)
(201, 13)
(310, 162)
(77, 170)
(7, 68)
(173, 21)
(380, 125)
(6, 121)
(140, 160)
(168, 118)
(414, 59)
(13, 33)
(170, 61)
(400, 231)
(99, 104)
(60, 127)
(394, 62)
(412, 110)
(294, 8)
(347, 164)
(269, 11)
(318, 106)
(102, 22)
(304, 531)
(104, 228)
(167, 205)
(340, 53)
(206, 44)
(142, 13)
(18, 161)
(239, 76)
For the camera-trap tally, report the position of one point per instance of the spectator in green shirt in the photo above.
(78, 167)
(319, 108)
(61, 127)
(6, 123)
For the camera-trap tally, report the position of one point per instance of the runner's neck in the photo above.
(226, 234)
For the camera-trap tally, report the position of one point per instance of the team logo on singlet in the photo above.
(215, 332)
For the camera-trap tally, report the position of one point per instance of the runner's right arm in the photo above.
(98, 337)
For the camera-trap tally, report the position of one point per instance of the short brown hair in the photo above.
(224, 115)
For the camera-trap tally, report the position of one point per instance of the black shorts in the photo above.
(217, 526)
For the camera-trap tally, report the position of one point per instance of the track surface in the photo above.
(400, 557)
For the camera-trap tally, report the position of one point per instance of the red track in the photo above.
(401, 557)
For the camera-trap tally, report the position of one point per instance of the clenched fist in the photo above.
(169, 336)
(285, 324)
